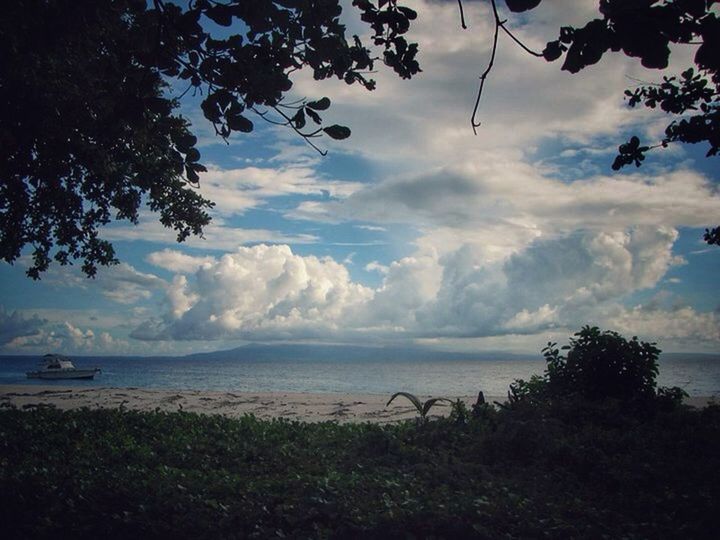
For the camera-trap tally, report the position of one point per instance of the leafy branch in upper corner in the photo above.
(676, 96)
(90, 92)
(646, 30)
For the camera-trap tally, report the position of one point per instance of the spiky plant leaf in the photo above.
(429, 404)
(414, 400)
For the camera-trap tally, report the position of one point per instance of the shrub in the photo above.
(534, 391)
(669, 398)
(598, 365)
(459, 413)
(602, 365)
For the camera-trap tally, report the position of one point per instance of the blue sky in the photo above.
(414, 231)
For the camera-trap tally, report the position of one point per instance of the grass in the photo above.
(582, 470)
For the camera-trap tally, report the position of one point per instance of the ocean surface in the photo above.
(699, 376)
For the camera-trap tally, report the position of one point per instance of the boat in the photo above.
(59, 367)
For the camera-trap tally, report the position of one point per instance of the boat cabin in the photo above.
(57, 361)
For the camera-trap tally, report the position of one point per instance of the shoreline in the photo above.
(307, 407)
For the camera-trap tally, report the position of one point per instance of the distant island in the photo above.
(300, 351)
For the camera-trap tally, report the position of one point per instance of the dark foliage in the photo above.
(88, 132)
(588, 472)
(646, 29)
(599, 365)
(602, 365)
(712, 236)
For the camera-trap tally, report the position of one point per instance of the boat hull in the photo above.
(63, 375)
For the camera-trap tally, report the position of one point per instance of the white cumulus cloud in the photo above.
(260, 291)
(177, 261)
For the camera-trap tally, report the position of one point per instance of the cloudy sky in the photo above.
(415, 231)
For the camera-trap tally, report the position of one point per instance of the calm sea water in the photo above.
(698, 376)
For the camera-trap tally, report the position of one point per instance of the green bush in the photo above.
(602, 365)
(532, 392)
(599, 365)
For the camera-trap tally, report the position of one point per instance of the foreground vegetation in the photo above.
(522, 472)
(548, 464)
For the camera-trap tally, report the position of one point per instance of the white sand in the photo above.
(300, 406)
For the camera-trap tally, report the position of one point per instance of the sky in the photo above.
(414, 231)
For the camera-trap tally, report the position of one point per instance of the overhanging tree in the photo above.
(89, 129)
(644, 29)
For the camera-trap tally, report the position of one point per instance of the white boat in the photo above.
(56, 366)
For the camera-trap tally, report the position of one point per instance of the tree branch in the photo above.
(462, 15)
(499, 24)
(296, 130)
(516, 40)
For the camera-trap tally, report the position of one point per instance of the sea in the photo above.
(698, 375)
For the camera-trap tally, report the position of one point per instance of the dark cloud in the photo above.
(14, 325)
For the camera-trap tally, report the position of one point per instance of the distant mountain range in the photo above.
(257, 351)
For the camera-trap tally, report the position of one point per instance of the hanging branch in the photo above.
(462, 16)
(516, 40)
(475, 124)
(499, 24)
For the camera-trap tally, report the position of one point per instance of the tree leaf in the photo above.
(192, 155)
(553, 51)
(414, 400)
(192, 175)
(337, 132)
(220, 14)
(315, 116)
(299, 119)
(522, 5)
(186, 141)
(429, 404)
(410, 14)
(320, 104)
(239, 123)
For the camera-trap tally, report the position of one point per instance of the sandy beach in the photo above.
(293, 406)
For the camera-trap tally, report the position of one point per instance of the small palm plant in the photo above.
(422, 408)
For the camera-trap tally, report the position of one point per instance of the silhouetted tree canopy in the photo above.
(646, 29)
(89, 129)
